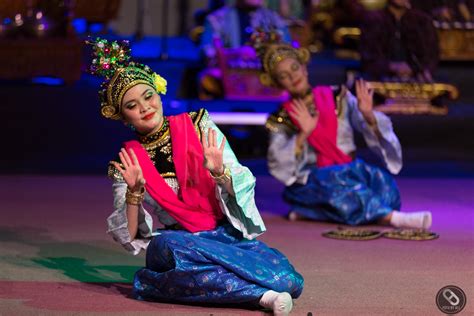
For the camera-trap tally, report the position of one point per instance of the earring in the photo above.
(132, 127)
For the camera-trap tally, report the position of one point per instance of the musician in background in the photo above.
(399, 43)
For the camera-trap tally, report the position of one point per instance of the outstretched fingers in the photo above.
(117, 166)
(222, 145)
(211, 138)
(134, 158)
(123, 158)
(214, 138)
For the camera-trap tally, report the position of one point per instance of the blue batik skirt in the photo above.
(217, 266)
(354, 193)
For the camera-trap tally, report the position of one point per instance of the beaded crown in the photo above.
(111, 60)
(271, 51)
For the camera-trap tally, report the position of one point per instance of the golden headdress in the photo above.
(111, 61)
(271, 51)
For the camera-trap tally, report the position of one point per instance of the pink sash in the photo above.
(324, 137)
(195, 207)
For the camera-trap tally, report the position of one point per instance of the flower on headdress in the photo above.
(160, 83)
(108, 56)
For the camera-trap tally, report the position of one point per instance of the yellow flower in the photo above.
(160, 84)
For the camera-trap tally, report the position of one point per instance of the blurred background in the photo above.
(49, 103)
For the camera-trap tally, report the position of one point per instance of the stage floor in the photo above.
(56, 258)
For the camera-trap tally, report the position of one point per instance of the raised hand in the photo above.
(213, 155)
(365, 97)
(300, 114)
(366, 104)
(131, 171)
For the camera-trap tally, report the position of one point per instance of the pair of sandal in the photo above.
(403, 222)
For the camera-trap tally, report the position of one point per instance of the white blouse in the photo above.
(285, 166)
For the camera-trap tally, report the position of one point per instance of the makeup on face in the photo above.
(142, 109)
(292, 75)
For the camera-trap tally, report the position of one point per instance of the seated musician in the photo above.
(399, 43)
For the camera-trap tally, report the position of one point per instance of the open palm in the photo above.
(213, 155)
(131, 171)
(300, 114)
(364, 96)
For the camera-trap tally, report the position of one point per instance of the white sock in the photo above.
(280, 303)
(411, 220)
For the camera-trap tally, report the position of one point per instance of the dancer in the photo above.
(183, 168)
(312, 148)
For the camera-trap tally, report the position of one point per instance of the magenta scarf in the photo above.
(324, 137)
(195, 207)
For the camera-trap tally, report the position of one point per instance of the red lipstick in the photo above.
(149, 116)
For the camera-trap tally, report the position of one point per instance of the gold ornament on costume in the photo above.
(107, 111)
(271, 51)
(111, 61)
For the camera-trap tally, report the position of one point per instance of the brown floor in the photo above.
(56, 258)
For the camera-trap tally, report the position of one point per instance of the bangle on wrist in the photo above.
(134, 198)
(224, 177)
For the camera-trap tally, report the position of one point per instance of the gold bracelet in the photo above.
(134, 198)
(224, 177)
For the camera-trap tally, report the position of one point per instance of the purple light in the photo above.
(295, 44)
